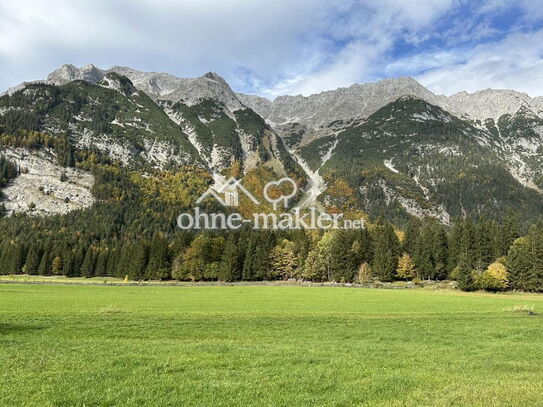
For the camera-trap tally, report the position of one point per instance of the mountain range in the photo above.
(392, 148)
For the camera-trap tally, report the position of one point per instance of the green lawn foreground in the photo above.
(266, 346)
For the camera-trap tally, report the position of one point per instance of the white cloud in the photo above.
(368, 29)
(183, 37)
(270, 47)
(513, 63)
(349, 65)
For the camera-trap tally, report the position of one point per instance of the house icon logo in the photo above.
(227, 193)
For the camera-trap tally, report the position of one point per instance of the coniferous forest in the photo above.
(131, 232)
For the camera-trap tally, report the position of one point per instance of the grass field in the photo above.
(266, 346)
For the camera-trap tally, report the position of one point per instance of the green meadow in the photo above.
(93, 345)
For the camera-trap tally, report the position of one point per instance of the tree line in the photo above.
(483, 254)
(131, 232)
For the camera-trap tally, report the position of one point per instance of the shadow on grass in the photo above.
(6, 329)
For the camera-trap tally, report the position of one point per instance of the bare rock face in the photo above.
(493, 103)
(68, 73)
(359, 100)
(189, 90)
(45, 188)
(356, 101)
(264, 107)
(156, 85)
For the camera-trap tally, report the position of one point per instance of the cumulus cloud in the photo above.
(186, 37)
(281, 46)
(366, 30)
(513, 63)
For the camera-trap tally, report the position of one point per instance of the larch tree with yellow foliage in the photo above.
(406, 267)
(283, 260)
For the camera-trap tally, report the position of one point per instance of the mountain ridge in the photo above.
(289, 109)
(356, 101)
(393, 147)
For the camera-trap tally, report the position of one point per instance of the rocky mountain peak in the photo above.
(215, 77)
(358, 100)
(189, 90)
(314, 111)
(493, 103)
(67, 73)
(157, 85)
(393, 136)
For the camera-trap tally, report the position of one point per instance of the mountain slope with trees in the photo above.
(445, 195)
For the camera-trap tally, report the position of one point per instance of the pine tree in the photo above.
(484, 245)
(342, 258)
(15, 259)
(386, 252)
(4, 248)
(138, 261)
(112, 260)
(261, 264)
(534, 280)
(411, 237)
(423, 254)
(101, 262)
(158, 267)
(121, 269)
(468, 246)
(33, 260)
(76, 262)
(249, 261)
(68, 269)
(519, 263)
(494, 230)
(454, 246)
(87, 268)
(440, 253)
(465, 276)
(509, 232)
(44, 269)
(231, 266)
(361, 247)
(302, 247)
(261, 261)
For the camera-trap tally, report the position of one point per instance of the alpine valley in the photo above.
(392, 148)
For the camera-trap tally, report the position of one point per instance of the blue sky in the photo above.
(283, 46)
